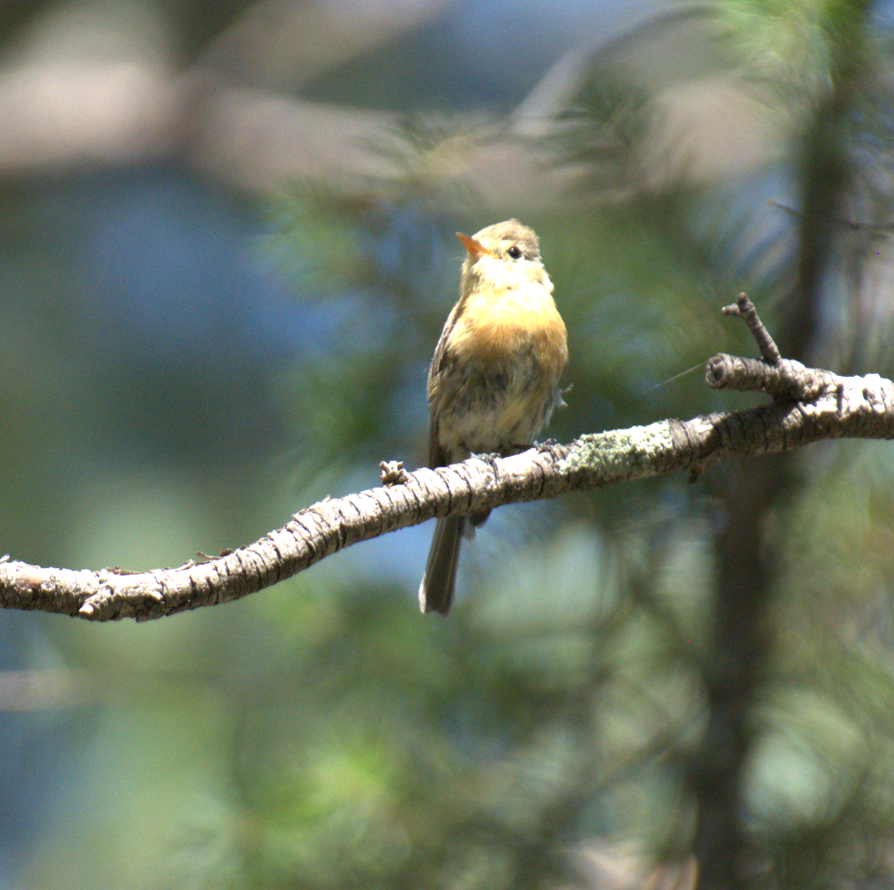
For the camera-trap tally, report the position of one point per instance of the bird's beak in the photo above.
(475, 248)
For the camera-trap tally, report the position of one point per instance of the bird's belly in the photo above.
(495, 406)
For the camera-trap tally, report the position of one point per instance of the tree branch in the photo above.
(810, 405)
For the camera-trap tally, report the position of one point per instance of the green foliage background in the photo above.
(630, 677)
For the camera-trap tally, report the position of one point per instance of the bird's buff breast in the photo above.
(498, 385)
(517, 325)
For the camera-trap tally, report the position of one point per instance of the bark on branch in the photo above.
(809, 405)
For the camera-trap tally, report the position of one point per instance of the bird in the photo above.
(493, 382)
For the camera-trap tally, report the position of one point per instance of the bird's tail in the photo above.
(436, 589)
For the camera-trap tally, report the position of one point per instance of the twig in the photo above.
(744, 309)
(872, 228)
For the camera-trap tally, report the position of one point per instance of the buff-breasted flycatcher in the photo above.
(493, 380)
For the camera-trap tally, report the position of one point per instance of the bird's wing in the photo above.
(441, 360)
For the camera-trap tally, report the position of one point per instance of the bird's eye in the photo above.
(514, 252)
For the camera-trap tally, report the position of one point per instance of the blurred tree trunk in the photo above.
(745, 574)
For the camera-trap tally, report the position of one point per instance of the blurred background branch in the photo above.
(110, 99)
